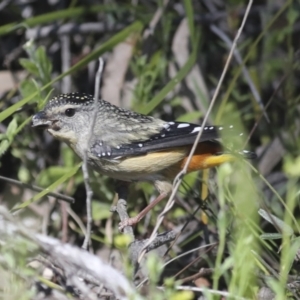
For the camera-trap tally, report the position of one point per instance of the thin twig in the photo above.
(178, 178)
(156, 18)
(37, 189)
(121, 209)
(89, 192)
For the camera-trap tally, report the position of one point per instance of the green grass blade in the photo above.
(117, 38)
(71, 13)
(190, 18)
(172, 83)
(50, 188)
(247, 57)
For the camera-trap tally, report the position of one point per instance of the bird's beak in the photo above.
(40, 120)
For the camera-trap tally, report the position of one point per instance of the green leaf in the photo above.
(292, 15)
(247, 57)
(29, 66)
(189, 180)
(292, 166)
(100, 210)
(44, 64)
(27, 87)
(172, 83)
(9, 259)
(271, 236)
(4, 145)
(276, 222)
(71, 13)
(294, 249)
(11, 129)
(190, 117)
(117, 38)
(52, 174)
(188, 5)
(50, 188)
(24, 174)
(68, 156)
(183, 295)
(10, 110)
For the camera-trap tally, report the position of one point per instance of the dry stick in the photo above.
(178, 179)
(89, 192)
(136, 246)
(121, 208)
(37, 189)
(156, 18)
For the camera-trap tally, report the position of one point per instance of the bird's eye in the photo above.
(70, 112)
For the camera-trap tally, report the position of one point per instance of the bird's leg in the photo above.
(134, 220)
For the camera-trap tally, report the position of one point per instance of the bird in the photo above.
(131, 147)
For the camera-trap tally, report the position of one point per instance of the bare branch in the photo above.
(89, 192)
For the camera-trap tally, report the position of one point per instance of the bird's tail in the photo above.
(209, 155)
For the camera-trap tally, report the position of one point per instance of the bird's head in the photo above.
(67, 117)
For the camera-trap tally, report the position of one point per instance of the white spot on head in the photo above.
(99, 155)
(140, 145)
(196, 129)
(205, 128)
(211, 128)
(118, 147)
(108, 153)
(103, 153)
(171, 123)
(183, 125)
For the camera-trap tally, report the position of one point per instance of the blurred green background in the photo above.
(163, 58)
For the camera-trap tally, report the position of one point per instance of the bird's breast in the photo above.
(139, 168)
